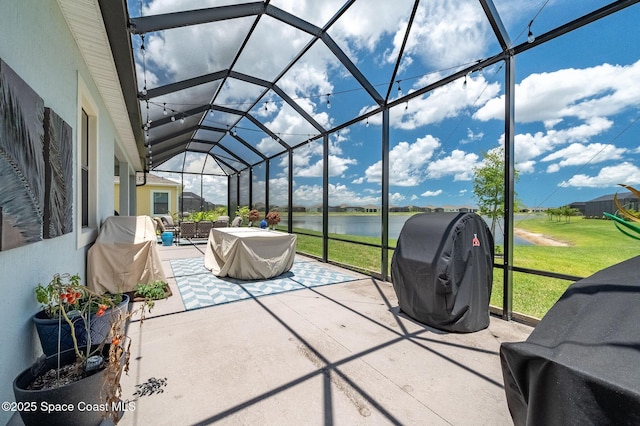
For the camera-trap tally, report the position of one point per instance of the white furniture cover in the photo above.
(124, 254)
(249, 253)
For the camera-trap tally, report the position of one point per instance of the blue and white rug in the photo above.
(199, 288)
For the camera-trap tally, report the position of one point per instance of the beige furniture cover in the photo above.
(249, 253)
(124, 254)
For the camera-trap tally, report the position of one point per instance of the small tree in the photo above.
(488, 185)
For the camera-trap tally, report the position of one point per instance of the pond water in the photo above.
(367, 225)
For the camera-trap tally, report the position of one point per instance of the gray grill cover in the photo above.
(442, 270)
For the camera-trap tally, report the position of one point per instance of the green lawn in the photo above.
(593, 245)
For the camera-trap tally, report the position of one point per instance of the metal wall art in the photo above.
(36, 166)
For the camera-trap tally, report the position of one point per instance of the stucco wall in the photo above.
(37, 44)
(143, 197)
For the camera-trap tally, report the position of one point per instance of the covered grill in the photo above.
(442, 270)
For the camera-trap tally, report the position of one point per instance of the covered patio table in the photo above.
(249, 253)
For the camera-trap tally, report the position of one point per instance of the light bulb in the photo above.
(531, 38)
(182, 119)
(164, 109)
(173, 118)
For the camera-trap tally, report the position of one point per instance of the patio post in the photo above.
(509, 186)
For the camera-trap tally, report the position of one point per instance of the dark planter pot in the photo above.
(49, 328)
(76, 403)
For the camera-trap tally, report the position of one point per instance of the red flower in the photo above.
(101, 310)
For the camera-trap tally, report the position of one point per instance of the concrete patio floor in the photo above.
(337, 354)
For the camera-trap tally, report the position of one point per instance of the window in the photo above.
(160, 203)
(87, 220)
(84, 167)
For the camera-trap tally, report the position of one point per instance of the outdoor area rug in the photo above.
(199, 288)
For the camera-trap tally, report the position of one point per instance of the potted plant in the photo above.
(80, 385)
(66, 292)
(273, 218)
(254, 216)
(151, 292)
(243, 212)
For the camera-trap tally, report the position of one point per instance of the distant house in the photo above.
(399, 209)
(597, 206)
(353, 209)
(191, 202)
(580, 206)
(370, 208)
(468, 209)
(155, 195)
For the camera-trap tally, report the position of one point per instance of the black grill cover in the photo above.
(442, 270)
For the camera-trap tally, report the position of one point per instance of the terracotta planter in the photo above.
(49, 328)
(76, 403)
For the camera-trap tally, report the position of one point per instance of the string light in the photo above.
(328, 101)
(144, 66)
(182, 119)
(173, 118)
(367, 123)
(530, 37)
(164, 109)
(399, 88)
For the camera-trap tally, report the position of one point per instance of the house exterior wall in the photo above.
(37, 44)
(144, 194)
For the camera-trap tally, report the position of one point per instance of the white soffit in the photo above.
(85, 22)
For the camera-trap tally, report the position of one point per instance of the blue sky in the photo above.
(577, 98)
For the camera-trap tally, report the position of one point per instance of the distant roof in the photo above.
(609, 197)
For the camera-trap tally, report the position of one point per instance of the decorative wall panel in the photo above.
(58, 177)
(21, 161)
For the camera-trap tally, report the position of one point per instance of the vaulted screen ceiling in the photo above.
(226, 85)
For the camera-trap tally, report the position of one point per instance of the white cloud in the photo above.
(307, 195)
(553, 168)
(432, 193)
(363, 25)
(407, 162)
(396, 198)
(597, 91)
(358, 180)
(606, 177)
(279, 191)
(526, 167)
(473, 136)
(578, 154)
(439, 25)
(444, 102)
(337, 166)
(307, 160)
(529, 146)
(458, 164)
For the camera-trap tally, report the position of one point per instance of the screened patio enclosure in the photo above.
(368, 106)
